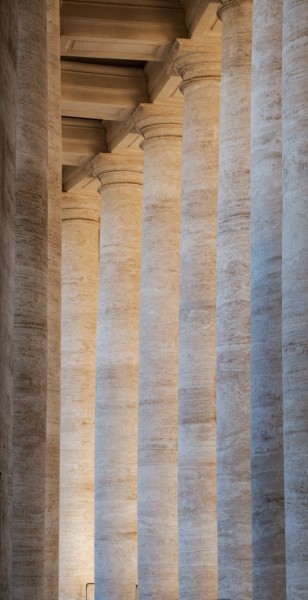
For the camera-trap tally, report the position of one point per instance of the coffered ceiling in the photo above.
(113, 56)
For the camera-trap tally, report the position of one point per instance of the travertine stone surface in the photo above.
(268, 544)
(197, 341)
(233, 308)
(158, 358)
(54, 304)
(80, 235)
(117, 376)
(295, 292)
(30, 310)
(8, 58)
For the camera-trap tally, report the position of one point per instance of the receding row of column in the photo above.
(191, 540)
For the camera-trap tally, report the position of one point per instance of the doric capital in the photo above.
(158, 120)
(118, 169)
(81, 206)
(226, 4)
(196, 60)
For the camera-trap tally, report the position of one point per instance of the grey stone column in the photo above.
(158, 367)
(80, 228)
(295, 292)
(268, 545)
(117, 376)
(233, 306)
(54, 303)
(30, 310)
(8, 56)
(199, 65)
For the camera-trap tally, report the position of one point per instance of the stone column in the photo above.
(158, 367)
(268, 546)
(54, 304)
(80, 216)
(30, 310)
(117, 376)
(199, 66)
(233, 306)
(295, 292)
(8, 56)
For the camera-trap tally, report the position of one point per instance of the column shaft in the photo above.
(197, 353)
(158, 368)
(268, 547)
(295, 292)
(54, 303)
(233, 307)
(80, 216)
(197, 327)
(117, 377)
(8, 54)
(30, 318)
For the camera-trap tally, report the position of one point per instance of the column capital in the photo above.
(81, 206)
(113, 169)
(195, 60)
(158, 120)
(226, 4)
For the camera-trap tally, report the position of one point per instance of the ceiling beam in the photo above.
(81, 140)
(101, 92)
(95, 30)
(200, 16)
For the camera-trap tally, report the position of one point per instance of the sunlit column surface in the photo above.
(233, 306)
(80, 258)
(199, 65)
(158, 366)
(117, 376)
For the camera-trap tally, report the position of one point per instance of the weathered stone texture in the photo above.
(54, 303)
(30, 326)
(268, 547)
(197, 327)
(117, 376)
(158, 367)
(295, 292)
(233, 308)
(8, 58)
(80, 215)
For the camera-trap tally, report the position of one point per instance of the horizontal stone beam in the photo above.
(81, 140)
(200, 16)
(101, 92)
(92, 29)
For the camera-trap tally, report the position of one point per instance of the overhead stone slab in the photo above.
(82, 139)
(91, 29)
(101, 92)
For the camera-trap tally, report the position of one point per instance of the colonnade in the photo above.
(189, 316)
(214, 506)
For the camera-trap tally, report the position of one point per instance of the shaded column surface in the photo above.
(295, 292)
(158, 366)
(117, 376)
(199, 66)
(268, 547)
(54, 304)
(80, 223)
(8, 58)
(233, 307)
(30, 310)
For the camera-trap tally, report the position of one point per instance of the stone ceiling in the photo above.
(113, 57)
